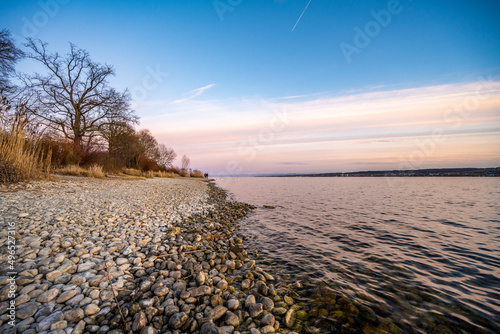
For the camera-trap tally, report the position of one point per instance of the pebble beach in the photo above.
(168, 251)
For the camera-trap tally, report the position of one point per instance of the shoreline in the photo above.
(171, 249)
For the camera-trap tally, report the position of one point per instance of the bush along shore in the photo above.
(167, 250)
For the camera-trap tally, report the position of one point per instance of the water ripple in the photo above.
(426, 249)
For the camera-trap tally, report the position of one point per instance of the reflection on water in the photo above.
(424, 250)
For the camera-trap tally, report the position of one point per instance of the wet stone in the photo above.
(217, 312)
(233, 304)
(140, 321)
(209, 328)
(177, 320)
(255, 310)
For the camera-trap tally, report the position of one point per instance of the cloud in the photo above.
(193, 94)
(292, 163)
(334, 133)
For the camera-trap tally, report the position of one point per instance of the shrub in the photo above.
(62, 152)
(147, 164)
(96, 171)
(197, 173)
(184, 173)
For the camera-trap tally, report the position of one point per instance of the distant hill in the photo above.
(490, 172)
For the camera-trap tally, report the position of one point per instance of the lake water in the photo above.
(423, 252)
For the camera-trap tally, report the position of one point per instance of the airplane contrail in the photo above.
(301, 15)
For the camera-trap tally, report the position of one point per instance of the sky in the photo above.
(294, 86)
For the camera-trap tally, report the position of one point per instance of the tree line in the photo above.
(75, 112)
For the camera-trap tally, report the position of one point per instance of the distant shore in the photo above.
(433, 172)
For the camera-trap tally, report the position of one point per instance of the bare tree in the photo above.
(185, 162)
(148, 145)
(74, 97)
(9, 55)
(167, 155)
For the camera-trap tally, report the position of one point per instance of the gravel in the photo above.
(169, 250)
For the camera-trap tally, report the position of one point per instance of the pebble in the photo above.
(27, 310)
(217, 312)
(177, 320)
(233, 304)
(91, 309)
(47, 296)
(49, 321)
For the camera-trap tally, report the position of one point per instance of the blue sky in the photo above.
(239, 63)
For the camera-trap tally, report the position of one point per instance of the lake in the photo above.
(422, 252)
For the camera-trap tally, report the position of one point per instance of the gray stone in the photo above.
(245, 284)
(171, 309)
(279, 311)
(149, 330)
(161, 291)
(250, 300)
(75, 300)
(233, 304)
(52, 275)
(232, 319)
(222, 284)
(140, 321)
(106, 295)
(65, 296)
(91, 309)
(45, 310)
(147, 302)
(85, 266)
(210, 328)
(201, 291)
(268, 319)
(59, 325)
(290, 318)
(79, 328)
(62, 279)
(217, 312)
(74, 315)
(267, 303)
(47, 296)
(267, 329)
(200, 278)
(49, 321)
(27, 310)
(255, 310)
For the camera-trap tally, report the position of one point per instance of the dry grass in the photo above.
(197, 173)
(165, 174)
(21, 159)
(75, 170)
(148, 174)
(96, 171)
(132, 171)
